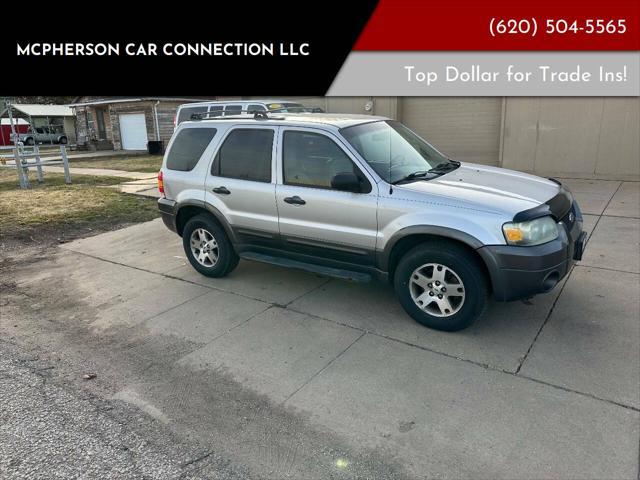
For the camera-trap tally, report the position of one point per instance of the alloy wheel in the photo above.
(437, 290)
(204, 247)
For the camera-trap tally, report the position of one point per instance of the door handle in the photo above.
(295, 200)
(221, 190)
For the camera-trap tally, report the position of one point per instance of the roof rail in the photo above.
(217, 115)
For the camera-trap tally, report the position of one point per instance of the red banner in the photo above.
(414, 25)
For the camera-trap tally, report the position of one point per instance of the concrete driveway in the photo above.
(547, 388)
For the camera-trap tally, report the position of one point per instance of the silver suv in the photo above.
(356, 197)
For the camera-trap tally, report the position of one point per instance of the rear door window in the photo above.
(188, 147)
(246, 154)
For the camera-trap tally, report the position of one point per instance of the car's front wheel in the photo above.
(208, 248)
(441, 285)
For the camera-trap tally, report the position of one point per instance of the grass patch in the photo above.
(54, 210)
(129, 163)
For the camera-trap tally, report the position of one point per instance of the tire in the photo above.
(212, 259)
(63, 140)
(452, 303)
(29, 141)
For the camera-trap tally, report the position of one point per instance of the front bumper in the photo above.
(521, 272)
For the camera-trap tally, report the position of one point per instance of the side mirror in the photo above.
(346, 181)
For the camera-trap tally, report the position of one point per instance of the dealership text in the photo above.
(70, 49)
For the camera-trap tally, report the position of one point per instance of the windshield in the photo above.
(392, 150)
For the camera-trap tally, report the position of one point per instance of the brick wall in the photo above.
(81, 125)
(86, 124)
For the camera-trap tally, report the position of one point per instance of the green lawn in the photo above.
(54, 209)
(129, 163)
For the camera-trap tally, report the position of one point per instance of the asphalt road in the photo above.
(54, 428)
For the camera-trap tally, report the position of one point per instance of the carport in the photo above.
(57, 117)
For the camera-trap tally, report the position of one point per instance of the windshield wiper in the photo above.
(445, 167)
(413, 176)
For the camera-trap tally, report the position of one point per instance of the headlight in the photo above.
(534, 232)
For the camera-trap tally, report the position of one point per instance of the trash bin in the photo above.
(154, 147)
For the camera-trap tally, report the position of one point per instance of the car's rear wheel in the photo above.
(441, 285)
(29, 141)
(63, 140)
(208, 248)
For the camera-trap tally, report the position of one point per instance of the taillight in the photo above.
(160, 183)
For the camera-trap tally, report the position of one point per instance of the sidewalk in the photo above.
(143, 187)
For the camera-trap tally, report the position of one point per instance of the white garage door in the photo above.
(133, 130)
(466, 129)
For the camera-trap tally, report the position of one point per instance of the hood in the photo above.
(491, 188)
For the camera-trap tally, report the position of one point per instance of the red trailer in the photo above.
(21, 126)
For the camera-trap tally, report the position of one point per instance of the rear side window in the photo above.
(186, 112)
(233, 109)
(245, 154)
(188, 147)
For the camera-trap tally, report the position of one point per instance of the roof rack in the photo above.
(217, 115)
